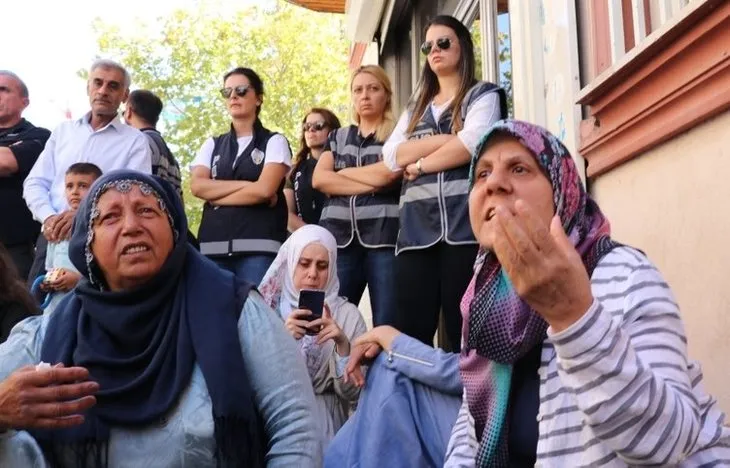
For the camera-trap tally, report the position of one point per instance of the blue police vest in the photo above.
(373, 217)
(235, 230)
(435, 207)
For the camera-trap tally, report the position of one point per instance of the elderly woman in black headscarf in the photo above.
(186, 365)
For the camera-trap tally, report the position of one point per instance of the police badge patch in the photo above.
(257, 155)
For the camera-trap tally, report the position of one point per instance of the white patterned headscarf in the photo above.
(279, 291)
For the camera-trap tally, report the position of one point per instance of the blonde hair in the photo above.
(388, 123)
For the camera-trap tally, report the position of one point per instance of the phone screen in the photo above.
(313, 301)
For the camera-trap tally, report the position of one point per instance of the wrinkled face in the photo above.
(368, 96)
(12, 102)
(443, 61)
(241, 106)
(76, 188)
(507, 172)
(106, 91)
(132, 237)
(313, 137)
(312, 269)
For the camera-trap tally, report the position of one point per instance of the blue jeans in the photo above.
(250, 268)
(399, 422)
(358, 266)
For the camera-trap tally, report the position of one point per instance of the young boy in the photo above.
(62, 276)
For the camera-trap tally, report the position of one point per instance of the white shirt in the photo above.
(480, 116)
(114, 146)
(277, 151)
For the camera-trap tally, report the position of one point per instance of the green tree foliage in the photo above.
(302, 56)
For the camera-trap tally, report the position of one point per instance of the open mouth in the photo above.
(135, 249)
(490, 213)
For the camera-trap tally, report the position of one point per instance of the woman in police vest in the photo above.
(432, 142)
(362, 209)
(304, 202)
(240, 176)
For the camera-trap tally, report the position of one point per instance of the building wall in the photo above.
(672, 203)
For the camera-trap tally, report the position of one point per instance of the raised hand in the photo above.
(542, 264)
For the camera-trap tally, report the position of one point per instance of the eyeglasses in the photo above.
(314, 126)
(239, 90)
(443, 43)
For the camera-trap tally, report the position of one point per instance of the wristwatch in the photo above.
(419, 166)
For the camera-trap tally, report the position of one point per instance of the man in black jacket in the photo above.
(20, 144)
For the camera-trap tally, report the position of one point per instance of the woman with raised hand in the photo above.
(362, 208)
(157, 358)
(308, 260)
(573, 349)
(432, 142)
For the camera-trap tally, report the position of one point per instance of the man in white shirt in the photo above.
(99, 137)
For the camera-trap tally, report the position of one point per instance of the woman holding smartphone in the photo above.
(308, 261)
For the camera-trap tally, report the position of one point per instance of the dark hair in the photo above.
(146, 105)
(428, 85)
(332, 122)
(12, 287)
(84, 169)
(253, 78)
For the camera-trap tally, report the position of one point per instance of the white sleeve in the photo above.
(481, 115)
(203, 156)
(396, 138)
(37, 186)
(140, 155)
(278, 150)
(462, 449)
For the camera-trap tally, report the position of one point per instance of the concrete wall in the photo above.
(672, 203)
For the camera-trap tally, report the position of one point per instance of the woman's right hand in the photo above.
(53, 398)
(295, 323)
(365, 348)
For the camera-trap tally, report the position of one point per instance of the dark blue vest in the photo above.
(435, 207)
(235, 230)
(372, 218)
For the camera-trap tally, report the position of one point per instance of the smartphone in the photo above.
(313, 301)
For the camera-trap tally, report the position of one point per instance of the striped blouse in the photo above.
(617, 388)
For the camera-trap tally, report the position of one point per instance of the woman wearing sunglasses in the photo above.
(240, 176)
(431, 143)
(304, 202)
(362, 209)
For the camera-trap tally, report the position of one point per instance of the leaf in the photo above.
(302, 57)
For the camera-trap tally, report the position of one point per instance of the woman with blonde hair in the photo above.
(362, 209)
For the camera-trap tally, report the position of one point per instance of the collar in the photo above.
(116, 122)
(21, 126)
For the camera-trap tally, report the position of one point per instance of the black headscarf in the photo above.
(142, 344)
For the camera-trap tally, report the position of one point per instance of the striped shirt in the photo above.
(616, 387)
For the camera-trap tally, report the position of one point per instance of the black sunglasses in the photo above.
(314, 126)
(442, 43)
(239, 90)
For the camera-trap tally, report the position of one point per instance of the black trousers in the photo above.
(432, 281)
(22, 256)
(39, 259)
